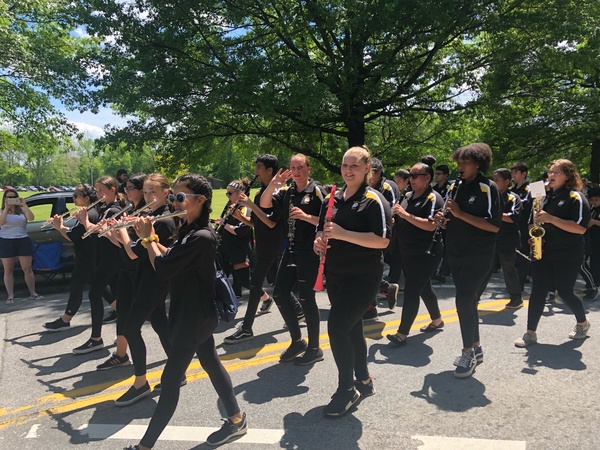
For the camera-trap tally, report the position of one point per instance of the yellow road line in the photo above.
(69, 401)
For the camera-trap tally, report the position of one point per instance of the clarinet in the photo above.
(437, 234)
(225, 216)
(291, 226)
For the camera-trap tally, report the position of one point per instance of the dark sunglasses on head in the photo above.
(414, 176)
(181, 197)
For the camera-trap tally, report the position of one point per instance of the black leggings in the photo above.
(102, 275)
(264, 261)
(305, 275)
(125, 296)
(133, 333)
(418, 271)
(178, 362)
(350, 297)
(79, 278)
(547, 274)
(468, 275)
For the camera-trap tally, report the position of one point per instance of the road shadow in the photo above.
(557, 357)
(451, 394)
(280, 380)
(315, 431)
(504, 317)
(43, 338)
(416, 353)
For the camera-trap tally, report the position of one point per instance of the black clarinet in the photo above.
(291, 226)
(227, 212)
(437, 234)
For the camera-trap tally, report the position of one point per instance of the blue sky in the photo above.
(92, 125)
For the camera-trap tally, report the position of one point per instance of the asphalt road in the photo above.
(544, 397)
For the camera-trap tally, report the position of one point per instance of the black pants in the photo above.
(548, 274)
(350, 297)
(105, 270)
(304, 276)
(522, 264)
(264, 261)
(418, 271)
(81, 275)
(586, 273)
(507, 257)
(595, 268)
(178, 362)
(468, 274)
(138, 313)
(125, 296)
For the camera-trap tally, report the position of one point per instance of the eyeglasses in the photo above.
(414, 176)
(555, 172)
(229, 193)
(181, 197)
(132, 188)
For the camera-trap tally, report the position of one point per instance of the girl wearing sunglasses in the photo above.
(189, 266)
(16, 243)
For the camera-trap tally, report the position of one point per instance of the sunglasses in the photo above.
(181, 197)
(229, 193)
(414, 176)
(11, 197)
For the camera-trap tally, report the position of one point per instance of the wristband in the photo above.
(146, 241)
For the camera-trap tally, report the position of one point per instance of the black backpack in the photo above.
(225, 299)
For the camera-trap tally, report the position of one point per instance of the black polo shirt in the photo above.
(509, 234)
(366, 211)
(412, 239)
(479, 198)
(568, 205)
(267, 239)
(310, 201)
(594, 233)
(389, 189)
(443, 189)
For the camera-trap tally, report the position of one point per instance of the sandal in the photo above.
(10, 301)
(396, 340)
(36, 297)
(431, 327)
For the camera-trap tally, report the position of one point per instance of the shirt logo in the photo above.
(472, 199)
(354, 206)
(306, 199)
(562, 202)
(418, 204)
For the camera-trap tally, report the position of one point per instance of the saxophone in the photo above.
(536, 232)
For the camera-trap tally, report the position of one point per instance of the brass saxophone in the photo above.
(536, 232)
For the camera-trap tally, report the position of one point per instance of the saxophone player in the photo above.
(564, 217)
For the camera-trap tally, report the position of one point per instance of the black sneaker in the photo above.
(133, 395)
(478, 356)
(111, 317)
(392, 295)
(371, 314)
(57, 325)
(310, 356)
(90, 346)
(514, 304)
(227, 432)
(341, 402)
(590, 294)
(466, 364)
(240, 335)
(265, 306)
(366, 390)
(293, 350)
(114, 361)
(158, 387)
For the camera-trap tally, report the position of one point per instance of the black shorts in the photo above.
(10, 248)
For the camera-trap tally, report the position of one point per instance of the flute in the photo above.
(100, 225)
(437, 234)
(183, 212)
(48, 224)
(119, 225)
(319, 285)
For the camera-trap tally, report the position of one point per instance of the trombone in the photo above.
(100, 224)
(134, 214)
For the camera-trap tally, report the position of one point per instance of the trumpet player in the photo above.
(300, 205)
(564, 217)
(474, 220)
(84, 196)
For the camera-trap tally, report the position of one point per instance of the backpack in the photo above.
(225, 299)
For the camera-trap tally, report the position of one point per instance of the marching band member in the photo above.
(415, 233)
(475, 217)
(357, 237)
(300, 205)
(564, 216)
(519, 173)
(189, 266)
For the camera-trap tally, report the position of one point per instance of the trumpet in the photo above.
(48, 224)
(97, 227)
(183, 212)
(136, 213)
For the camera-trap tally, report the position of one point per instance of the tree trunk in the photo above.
(595, 162)
(356, 132)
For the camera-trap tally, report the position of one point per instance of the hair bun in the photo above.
(430, 160)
